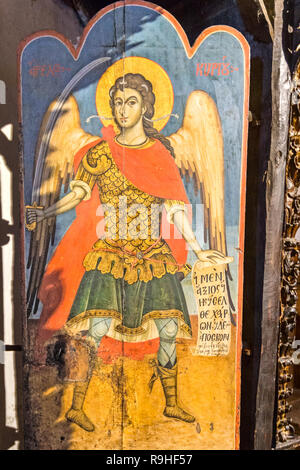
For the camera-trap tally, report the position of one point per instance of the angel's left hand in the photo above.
(213, 257)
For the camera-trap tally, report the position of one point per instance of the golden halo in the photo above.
(161, 83)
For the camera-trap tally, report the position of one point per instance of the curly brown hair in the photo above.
(138, 82)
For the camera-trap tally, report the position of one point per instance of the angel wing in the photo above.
(198, 147)
(66, 139)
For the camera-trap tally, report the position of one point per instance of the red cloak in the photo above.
(151, 170)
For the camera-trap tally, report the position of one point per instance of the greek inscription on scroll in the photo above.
(214, 326)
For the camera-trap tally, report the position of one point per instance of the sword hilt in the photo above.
(31, 226)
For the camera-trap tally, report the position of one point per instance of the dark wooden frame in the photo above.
(273, 428)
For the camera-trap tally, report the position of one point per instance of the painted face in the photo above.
(129, 107)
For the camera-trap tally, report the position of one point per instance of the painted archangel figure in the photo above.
(125, 281)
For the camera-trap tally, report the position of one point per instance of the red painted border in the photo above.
(190, 51)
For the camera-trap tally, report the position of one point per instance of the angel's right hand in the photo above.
(35, 215)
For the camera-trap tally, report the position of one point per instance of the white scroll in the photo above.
(214, 325)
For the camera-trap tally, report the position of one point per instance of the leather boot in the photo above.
(80, 367)
(76, 414)
(168, 378)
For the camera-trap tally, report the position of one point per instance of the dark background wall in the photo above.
(18, 19)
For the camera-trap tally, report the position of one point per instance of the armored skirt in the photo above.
(131, 305)
(130, 275)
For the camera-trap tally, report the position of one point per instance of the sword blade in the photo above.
(42, 151)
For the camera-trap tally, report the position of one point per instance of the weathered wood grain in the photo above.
(265, 399)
